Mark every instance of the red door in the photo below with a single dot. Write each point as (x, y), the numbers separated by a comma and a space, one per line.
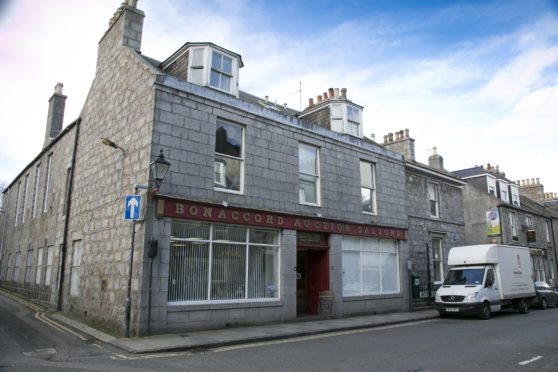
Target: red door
(318, 278)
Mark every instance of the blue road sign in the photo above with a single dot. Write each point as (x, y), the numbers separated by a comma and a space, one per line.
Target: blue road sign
(132, 207)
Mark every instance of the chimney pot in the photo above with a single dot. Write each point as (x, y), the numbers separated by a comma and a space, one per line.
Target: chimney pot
(336, 90)
(434, 151)
(331, 93)
(325, 95)
(390, 137)
(319, 98)
(538, 182)
(406, 133)
(385, 138)
(310, 102)
(344, 92)
(133, 3)
(58, 88)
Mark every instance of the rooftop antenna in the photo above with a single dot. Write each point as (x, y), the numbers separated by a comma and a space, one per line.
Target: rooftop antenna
(299, 91)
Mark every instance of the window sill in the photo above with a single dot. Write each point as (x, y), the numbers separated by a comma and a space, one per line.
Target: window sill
(366, 297)
(214, 305)
(228, 191)
(309, 204)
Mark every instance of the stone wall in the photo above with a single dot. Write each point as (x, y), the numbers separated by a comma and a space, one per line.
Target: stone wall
(119, 107)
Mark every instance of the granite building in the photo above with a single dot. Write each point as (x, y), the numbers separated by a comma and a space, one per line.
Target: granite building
(496, 212)
(265, 215)
(436, 221)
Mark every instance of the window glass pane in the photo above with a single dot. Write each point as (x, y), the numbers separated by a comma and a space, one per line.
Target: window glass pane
(227, 65)
(225, 83)
(389, 272)
(307, 158)
(197, 57)
(228, 272)
(370, 245)
(353, 114)
(371, 272)
(228, 139)
(366, 174)
(352, 128)
(337, 125)
(366, 200)
(351, 273)
(351, 243)
(214, 79)
(188, 271)
(336, 111)
(228, 173)
(229, 233)
(307, 190)
(262, 273)
(216, 61)
(197, 76)
(263, 237)
(190, 230)
(389, 246)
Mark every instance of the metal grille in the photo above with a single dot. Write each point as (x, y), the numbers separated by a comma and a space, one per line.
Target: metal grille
(453, 298)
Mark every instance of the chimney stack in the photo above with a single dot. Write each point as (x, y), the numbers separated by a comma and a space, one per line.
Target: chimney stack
(403, 144)
(55, 117)
(435, 160)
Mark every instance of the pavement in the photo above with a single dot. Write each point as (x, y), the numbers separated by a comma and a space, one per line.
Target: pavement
(241, 335)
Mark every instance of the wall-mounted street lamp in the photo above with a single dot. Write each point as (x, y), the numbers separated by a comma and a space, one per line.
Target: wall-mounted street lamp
(105, 141)
(159, 168)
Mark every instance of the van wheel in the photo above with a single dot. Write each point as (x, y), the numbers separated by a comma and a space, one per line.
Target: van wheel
(544, 304)
(485, 311)
(523, 306)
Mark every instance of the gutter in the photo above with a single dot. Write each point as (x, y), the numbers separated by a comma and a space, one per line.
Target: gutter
(64, 244)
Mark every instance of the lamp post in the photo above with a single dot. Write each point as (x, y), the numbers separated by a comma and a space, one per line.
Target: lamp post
(159, 168)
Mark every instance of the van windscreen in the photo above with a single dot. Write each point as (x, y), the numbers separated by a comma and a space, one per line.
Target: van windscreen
(465, 277)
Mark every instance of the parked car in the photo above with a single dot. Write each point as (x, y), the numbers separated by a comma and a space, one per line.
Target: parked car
(546, 295)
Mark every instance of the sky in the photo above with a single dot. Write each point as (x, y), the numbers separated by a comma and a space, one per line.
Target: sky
(476, 79)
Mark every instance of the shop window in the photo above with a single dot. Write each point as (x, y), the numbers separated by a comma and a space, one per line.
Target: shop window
(370, 266)
(222, 263)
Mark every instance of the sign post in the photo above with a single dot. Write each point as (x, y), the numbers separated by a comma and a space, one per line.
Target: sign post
(132, 207)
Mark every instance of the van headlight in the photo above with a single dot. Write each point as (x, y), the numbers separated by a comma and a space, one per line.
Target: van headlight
(471, 297)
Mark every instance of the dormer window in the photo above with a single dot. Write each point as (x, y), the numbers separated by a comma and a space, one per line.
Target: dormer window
(503, 186)
(221, 71)
(346, 119)
(206, 64)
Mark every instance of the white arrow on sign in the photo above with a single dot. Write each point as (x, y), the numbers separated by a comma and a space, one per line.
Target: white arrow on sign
(133, 204)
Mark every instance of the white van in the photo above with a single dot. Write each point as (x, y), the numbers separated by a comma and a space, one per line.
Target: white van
(486, 278)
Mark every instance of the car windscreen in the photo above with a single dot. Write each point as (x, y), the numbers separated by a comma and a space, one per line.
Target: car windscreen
(464, 277)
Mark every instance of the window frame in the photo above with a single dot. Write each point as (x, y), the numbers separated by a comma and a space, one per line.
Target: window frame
(513, 224)
(240, 159)
(316, 176)
(364, 261)
(373, 205)
(204, 78)
(504, 194)
(437, 259)
(342, 123)
(436, 189)
(213, 241)
(36, 190)
(75, 268)
(491, 185)
(46, 190)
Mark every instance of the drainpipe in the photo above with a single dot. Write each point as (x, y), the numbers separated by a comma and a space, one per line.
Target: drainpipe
(4, 212)
(501, 226)
(64, 244)
(553, 248)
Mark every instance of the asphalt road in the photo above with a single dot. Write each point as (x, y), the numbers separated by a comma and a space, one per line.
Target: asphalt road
(507, 342)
